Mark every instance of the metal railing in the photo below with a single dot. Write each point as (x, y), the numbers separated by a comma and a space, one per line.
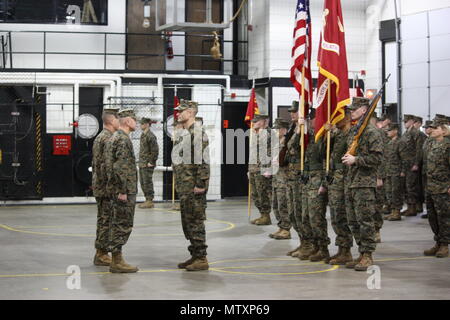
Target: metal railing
(9, 54)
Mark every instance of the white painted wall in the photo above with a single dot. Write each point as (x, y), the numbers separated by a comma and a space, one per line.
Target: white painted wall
(419, 20)
(70, 43)
(270, 42)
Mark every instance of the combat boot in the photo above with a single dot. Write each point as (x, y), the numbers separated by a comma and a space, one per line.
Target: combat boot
(386, 217)
(264, 220)
(365, 262)
(395, 215)
(308, 250)
(295, 250)
(283, 235)
(344, 257)
(321, 255)
(102, 258)
(272, 235)
(353, 263)
(118, 265)
(148, 204)
(198, 264)
(378, 236)
(410, 211)
(337, 253)
(443, 251)
(176, 206)
(432, 251)
(183, 265)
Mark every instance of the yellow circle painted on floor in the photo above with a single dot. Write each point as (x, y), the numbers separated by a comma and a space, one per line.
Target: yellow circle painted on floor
(289, 265)
(228, 226)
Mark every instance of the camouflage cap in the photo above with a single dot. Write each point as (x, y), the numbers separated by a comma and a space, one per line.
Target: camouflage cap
(438, 122)
(281, 123)
(407, 117)
(110, 110)
(127, 113)
(427, 124)
(148, 120)
(442, 118)
(393, 126)
(187, 104)
(358, 102)
(383, 117)
(418, 119)
(258, 117)
(374, 115)
(294, 107)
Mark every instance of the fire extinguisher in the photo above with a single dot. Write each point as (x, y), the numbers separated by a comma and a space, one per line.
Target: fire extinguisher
(169, 47)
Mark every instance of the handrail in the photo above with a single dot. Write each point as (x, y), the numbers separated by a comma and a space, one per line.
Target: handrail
(104, 51)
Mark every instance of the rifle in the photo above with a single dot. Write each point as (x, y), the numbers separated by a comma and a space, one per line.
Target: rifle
(364, 121)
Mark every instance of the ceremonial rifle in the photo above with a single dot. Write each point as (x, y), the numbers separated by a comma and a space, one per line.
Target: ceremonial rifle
(364, 121)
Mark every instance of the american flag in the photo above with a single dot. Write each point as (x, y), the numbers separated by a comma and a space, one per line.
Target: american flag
(301, 51)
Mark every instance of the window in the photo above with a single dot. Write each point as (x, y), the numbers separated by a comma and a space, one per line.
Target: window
(94, 12)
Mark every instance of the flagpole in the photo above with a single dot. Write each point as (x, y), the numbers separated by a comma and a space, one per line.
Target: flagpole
(249, 184)
(173, 139)
(249, 148)
(302, 127)
(328, 122)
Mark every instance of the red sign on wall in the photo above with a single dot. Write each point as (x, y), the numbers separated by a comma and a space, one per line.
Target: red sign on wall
(62, 145)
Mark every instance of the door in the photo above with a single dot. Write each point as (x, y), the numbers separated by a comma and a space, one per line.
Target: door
(234, 171)
(143, 44)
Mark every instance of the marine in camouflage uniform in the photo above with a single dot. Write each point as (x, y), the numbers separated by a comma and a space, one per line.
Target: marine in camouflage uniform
(314, 198)
(438, 188)
(361, 181)
(99, 180)
(423, 162)
(279, 192)
(420, 141)
(122, 187)
(260, 170)
(408, 154)
(392, 165)
(336, 192)
(148, 155)
(295, 188)
(191, 156)
(380, 194)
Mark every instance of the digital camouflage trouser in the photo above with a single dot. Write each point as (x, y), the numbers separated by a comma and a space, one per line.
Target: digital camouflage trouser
(314, 221)
(411, 185)
(261, 192)
(293, 196)
(193, 216)
(336, 200)
(380, 201)
(393, 188)
(122, 221)
(438, 208)
(104, 217)
(146, 180)
(360, 207)
(280, 207)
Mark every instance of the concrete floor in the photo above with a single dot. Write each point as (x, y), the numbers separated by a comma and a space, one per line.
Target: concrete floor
(38, 243)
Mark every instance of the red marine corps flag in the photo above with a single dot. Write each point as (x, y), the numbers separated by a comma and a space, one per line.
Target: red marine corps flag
(332, 87)
(252, 108)
(176, 103)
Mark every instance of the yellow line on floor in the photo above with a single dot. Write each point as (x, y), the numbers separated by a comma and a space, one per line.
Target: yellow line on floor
(224, 269)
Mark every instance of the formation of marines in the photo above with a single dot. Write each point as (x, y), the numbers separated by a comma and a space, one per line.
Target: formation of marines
(362, 191)
(115, 176)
